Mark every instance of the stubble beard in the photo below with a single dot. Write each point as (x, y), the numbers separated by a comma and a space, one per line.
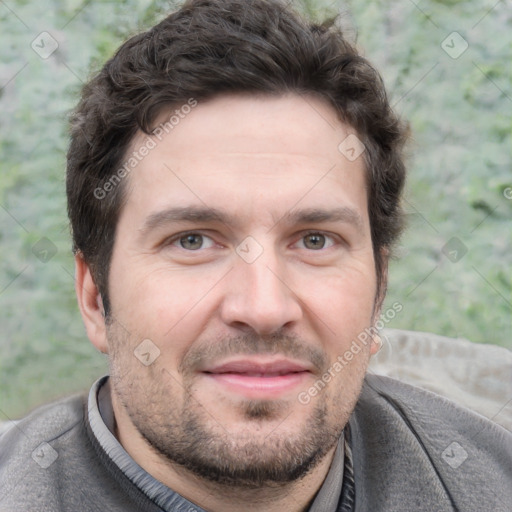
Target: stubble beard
(187, 434)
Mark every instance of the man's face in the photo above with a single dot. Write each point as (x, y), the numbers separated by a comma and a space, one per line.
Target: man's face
(243, 253)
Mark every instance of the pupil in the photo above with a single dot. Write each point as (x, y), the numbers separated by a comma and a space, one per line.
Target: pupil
(192, 241)
(315, 241)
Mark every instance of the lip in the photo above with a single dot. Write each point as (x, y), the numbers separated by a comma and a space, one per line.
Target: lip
(259, 378)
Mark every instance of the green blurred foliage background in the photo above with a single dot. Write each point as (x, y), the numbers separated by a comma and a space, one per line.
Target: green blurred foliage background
(459, 185)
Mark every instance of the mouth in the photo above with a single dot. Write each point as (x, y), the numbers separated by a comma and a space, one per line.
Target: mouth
(259, 378)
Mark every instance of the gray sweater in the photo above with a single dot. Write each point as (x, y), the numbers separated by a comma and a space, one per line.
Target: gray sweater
(412, 451)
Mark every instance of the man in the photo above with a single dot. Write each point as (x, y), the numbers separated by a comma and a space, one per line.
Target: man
(234, 181)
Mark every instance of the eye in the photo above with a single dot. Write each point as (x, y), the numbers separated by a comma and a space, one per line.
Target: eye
(316, 241)
(193, 242)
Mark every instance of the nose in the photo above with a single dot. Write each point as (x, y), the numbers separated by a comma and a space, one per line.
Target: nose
(260, 297)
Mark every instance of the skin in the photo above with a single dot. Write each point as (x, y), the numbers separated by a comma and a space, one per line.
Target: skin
(303, 291)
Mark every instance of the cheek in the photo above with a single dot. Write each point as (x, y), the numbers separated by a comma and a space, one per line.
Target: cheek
(342, 298)
(163, 304)
(341, 309)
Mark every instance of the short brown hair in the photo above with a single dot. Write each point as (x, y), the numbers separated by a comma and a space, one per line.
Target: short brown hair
(213, 47)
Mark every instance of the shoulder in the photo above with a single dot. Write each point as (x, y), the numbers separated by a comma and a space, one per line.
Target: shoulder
(46, 423)
(425, 409)
(30, 450)
(50, 461)
(409, 438)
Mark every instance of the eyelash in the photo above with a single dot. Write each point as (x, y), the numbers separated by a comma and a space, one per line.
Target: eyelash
(176, 239)
(334, 238)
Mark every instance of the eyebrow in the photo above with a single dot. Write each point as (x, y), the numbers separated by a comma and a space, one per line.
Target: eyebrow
(318, 215)
(205, 214)
(182, 214)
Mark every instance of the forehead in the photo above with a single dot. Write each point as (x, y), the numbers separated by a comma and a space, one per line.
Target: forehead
(256, 154)
(256, 125)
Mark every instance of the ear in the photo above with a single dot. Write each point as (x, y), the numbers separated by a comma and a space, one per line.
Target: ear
(379, 300)
(91, 305)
